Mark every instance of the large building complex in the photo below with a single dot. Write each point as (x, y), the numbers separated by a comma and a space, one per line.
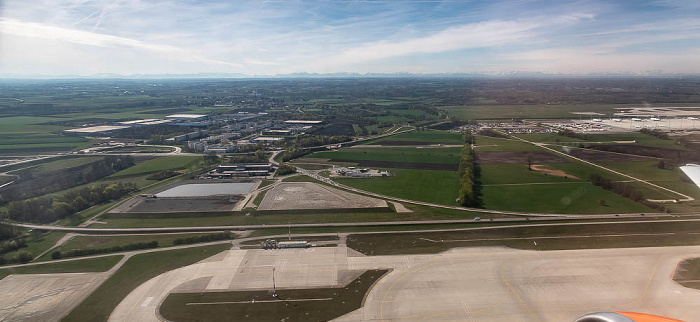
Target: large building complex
(237, 170)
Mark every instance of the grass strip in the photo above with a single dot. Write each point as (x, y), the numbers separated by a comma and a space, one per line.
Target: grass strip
(99, 264)
(137, 270)
(321, 304)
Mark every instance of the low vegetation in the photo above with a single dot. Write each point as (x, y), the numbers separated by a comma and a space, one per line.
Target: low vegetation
(162, 175)
(99, 264)
(655, 133)
(469, 172)
(202, 238)
(51, 208)
(92, 251)
(137, 270)
(158, 164)
(60, 175)
(285, 169)
(623, 189)
(288, 305)
(553, 237)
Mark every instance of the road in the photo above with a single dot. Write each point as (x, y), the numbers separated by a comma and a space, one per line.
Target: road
(314, 174)
(375, 261)
(113, 231)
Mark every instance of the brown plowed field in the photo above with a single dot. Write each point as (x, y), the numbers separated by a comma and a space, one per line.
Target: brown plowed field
(636, 149)
(400, 165)
(603, 156)
(517, 157)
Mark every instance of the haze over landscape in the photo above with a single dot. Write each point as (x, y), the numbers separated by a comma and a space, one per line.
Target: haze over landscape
(237, 38)
(349, 160)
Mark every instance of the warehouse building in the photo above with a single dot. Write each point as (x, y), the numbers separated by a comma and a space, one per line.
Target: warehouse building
(238, 170)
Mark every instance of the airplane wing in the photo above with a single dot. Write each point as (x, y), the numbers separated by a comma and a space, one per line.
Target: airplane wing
(693, 172)
(623, 317)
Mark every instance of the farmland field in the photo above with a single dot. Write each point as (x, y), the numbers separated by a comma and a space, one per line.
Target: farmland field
(431, 186)
(65, 163)
(518, 173)
(414, 155)
(429, 137)
(158, 164)
(644, 170)
(581, 198)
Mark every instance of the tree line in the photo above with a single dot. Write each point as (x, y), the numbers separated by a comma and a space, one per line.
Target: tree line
(316, 140)
(33, 183)
(469, 172)
(655, 133)
(51, 208)
(286, 168)
(202, 238)
(92, 251)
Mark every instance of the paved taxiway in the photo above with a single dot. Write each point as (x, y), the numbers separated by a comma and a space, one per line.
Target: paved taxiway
(476, 284)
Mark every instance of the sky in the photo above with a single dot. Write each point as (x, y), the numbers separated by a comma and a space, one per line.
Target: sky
(141, 37)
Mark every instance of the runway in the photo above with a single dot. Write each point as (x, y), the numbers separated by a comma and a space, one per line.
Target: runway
(475, 284)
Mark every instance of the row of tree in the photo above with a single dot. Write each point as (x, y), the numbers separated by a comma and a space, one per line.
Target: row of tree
(623, 189)
(92, 251)
(571, 134)
(286, 168)
(202, 238)
(51, 208)
(655, 133)
(293, 153)
(469, 172)
(316, 140)
(21, 257)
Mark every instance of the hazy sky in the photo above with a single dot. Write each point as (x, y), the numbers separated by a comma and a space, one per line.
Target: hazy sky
(82, 37)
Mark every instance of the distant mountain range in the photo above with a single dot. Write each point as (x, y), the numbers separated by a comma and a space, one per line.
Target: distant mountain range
(514, 74)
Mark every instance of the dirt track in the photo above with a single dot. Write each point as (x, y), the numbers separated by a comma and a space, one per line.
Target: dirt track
(552, 172)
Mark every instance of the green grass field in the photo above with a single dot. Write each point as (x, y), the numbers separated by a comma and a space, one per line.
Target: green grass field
(424, 185)
(564, 198)
(589, 237)
(82, 242)
(138, 269)
(645, 170)
(158, 164)
(282, 218)
(641, 139)
(58, 165)
(100, 264)
(518, 173)
(424, 155)
(177, 306)
(432, 136)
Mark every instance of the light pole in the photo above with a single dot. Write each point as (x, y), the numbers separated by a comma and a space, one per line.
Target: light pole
(274, 289)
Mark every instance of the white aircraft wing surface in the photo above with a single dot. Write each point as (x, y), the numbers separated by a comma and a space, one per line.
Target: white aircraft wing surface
(693, 172)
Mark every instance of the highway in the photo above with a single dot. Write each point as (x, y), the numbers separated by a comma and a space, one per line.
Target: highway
(87, 230)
